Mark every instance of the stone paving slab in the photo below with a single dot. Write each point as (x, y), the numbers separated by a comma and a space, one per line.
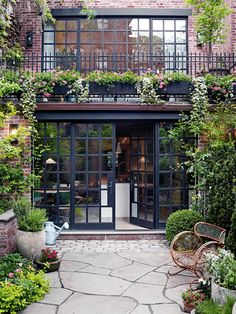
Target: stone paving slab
(113, 277)
(87, 304)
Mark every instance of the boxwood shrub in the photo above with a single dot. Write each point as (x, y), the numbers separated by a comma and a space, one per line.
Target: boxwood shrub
(181, 220)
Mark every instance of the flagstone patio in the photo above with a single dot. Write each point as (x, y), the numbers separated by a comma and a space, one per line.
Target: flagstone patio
(118, 277)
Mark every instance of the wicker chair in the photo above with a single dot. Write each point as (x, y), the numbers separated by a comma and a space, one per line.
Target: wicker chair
(188, 249)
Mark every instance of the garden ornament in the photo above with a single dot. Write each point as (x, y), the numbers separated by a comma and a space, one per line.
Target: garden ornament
(52, 233)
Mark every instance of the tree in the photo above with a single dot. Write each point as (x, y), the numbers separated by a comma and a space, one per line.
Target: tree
(210, 20)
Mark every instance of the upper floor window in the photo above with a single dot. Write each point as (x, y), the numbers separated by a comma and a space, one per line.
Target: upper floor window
(127, 39)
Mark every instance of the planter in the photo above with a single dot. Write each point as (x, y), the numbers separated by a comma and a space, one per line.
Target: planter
(116, 89)
(8, 231)
(219, 293)
(179, 88)
(30, 244)
(188, 308)
(60, 89)
(52, 266)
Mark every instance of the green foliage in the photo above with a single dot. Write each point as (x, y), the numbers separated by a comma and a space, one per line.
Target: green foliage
(210, 23)
(5, 205)
(44, 10)
(11, 262)
(11, 298)
(178, 77)
(222, 268)
(110, 78)
(20, 284)
(21, 207)
(181, 220)
(33, 221)
(210, 307)
(231, 239)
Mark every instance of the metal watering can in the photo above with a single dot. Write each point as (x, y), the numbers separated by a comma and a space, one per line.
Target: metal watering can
(51, 232)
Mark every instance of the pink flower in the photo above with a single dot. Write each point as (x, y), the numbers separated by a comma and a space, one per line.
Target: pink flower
(18, 270)
(46, 94)
(10, 275)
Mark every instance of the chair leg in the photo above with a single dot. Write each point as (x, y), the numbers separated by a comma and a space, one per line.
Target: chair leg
(177, 272)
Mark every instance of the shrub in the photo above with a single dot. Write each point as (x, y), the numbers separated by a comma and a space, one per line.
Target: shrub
(20, 284)
(210, 307)
(181, 220)
(33, 221)
(230, 241)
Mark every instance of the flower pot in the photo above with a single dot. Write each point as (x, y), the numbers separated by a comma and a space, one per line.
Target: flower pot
(179, 88)
(30, 244)
(49, 266)
(188, 308)
(60, 89)
(116, 89)
(219, 293)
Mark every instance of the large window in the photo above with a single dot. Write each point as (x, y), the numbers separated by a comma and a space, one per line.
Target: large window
(116, 43)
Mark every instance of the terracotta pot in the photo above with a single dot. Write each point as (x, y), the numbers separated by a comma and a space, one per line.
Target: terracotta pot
(30, 244)
(188, 308)
(52, 266)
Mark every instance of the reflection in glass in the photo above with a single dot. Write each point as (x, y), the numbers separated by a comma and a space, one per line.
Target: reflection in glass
(93, 197)
(80, 180)
(93, 146)
(164, 197)
(64, 197)
(63, 214)
(164, 213)
(106, 214)
(93, 163)
(106, 146)
(93, 180)
(80, 146)
(93, 214)
(164, 180)
(80, 164)
(64, 163)
(80, 197)
(157, 25)
(93, 130)
(80, 214)
(106, 130)
(64, 146)
(169, 25)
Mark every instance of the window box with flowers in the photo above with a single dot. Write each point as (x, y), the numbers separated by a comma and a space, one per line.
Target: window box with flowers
(178, 83)
(49, 260)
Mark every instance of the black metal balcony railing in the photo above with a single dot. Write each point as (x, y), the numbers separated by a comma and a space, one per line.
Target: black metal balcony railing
(192, 64)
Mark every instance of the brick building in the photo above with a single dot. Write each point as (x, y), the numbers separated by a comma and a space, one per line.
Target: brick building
(112, 159)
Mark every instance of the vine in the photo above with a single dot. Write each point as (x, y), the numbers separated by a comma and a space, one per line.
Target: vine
(80, 88)
(146, 88)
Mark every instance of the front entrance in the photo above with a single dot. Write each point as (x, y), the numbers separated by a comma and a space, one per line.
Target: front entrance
(95, 173)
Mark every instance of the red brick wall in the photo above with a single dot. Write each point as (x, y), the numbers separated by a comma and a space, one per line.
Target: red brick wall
(8, 231)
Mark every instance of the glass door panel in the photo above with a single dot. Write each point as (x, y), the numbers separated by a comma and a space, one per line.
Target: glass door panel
(142, 176)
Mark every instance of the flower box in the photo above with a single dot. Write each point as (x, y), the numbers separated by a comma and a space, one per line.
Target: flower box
(179, 88)
(116, 89)
(60, 89)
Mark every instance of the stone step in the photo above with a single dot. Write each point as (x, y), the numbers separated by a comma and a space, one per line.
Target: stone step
(113, 235)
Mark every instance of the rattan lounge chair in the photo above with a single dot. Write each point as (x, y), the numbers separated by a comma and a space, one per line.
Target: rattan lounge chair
(188, 249)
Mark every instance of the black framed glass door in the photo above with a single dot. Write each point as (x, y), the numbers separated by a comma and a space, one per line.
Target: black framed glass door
(142, 175)
(77, 174)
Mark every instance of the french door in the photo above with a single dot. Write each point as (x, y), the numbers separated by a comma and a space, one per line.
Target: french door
(77, 174)
(142, 175)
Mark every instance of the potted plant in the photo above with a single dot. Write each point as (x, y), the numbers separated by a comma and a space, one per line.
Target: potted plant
(219, 88)
(222, 268)
(191, 298)
(49, 260)
(178, 83)
(30, 235)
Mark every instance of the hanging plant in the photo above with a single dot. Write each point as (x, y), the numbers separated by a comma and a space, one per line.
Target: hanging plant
(80, 88)
(146, 88)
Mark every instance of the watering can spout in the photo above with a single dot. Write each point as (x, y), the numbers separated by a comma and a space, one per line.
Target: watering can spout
(52, 231)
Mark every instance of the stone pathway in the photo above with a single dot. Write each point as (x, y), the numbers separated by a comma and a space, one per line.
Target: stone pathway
(118, 277)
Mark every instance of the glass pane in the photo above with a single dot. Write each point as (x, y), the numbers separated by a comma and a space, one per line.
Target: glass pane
(48, 27)
(164, 163)
(157, 37)
(93, 180)
(64, 147)
(86, 24)
(164, 197)
(93, 130)
(51, 145)
(108, 37)
(51, 163)
(93, 214)
(80, 130)
(71, 25)
(120, 24)
(107, 162)
(177, 180)
(51, 130)
(93, 163)
(149, 213)
(97, 38)
(93, 197)
(106, 214)
(80, 164)
(164, 213)
(106, 130)
(164, 180)
(158, 50)
(60, 25)
(141, 211)
(80, 197)
(144, 24)
(176, 197)
(51, 197)
(180, 37)
(157, 25)
(181, 49)
(71, 37)
(85, 37)
(64, 198)
(64, 163)
(133, 24)
(38, 198)
(80, 214)
(121, 37)
(169, 49)
(106, 146)
(169, 25)
(51, 180)
(64, 214)
(180, 24)
(104, 198)
(48, 37)
(80, 146)
(134, 210)
(64, 180)
(64, 129)
(169, 37)
(80, 180)
(93, 146)
(60, 37)
(164, 146)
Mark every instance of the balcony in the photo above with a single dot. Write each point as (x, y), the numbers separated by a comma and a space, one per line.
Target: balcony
(188, 66)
